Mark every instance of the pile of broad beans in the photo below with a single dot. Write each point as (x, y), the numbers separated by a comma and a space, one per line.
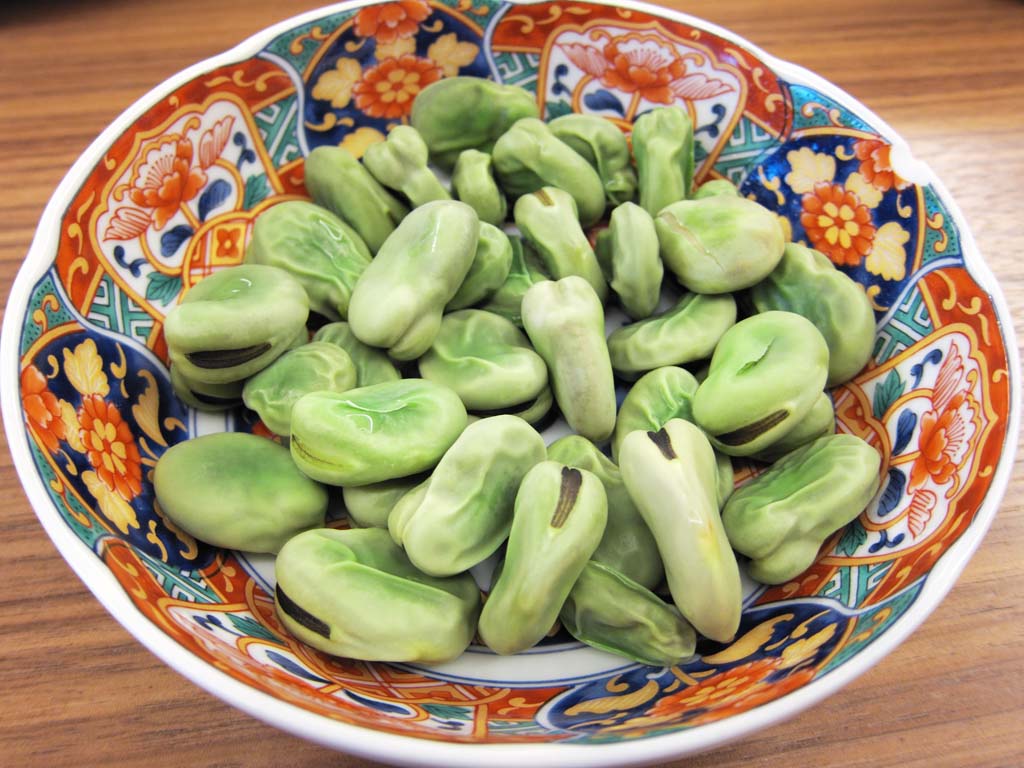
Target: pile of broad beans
(449, 342)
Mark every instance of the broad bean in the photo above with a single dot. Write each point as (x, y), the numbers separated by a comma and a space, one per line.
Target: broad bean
(507, 301)
(400, 162)
(610, 611)
(818, 422)
(375, 433)
(672, 477)
(465, 512)
(781, 518)
(719, 244)
(655, 399)
(368, 506)
(473, 183)
(687, 332)
(565, 322)
(486, 360)
(314, 367)
(340, 183)
(372, 365)
(663, 148)
(628, 254)
(529, 156)
(547, 219)
(206, 397)
(316, 248)
(766, 373)
(489, 270)
(807, 282)
(355, 594)
(604, 146)
(716, 187)
(236, 490)
(415, 274)
(558, 521)
(627, 544)
(459, 113)
(235, 323)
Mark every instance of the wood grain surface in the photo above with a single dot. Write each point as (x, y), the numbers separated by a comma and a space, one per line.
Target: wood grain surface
(946, 74)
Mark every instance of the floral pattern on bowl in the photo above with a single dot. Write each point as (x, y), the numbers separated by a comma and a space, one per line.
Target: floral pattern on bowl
(171, 195)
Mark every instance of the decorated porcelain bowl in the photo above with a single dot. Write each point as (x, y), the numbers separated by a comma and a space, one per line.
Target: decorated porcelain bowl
(168, 194)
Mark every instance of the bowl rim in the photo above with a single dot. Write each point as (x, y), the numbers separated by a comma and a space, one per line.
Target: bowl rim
(416, 751)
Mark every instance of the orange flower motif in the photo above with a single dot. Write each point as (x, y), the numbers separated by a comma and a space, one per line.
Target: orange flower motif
(388, 89)
(110, 446)
(167, 179)
(41, 408)
(228, 245)
(735, 690)
(947, 428)
(391, 21)
(919, 513)
(646, 65)
(876, 164)
(213, 141)
(837, 223)
(941, 437)
(647, 68)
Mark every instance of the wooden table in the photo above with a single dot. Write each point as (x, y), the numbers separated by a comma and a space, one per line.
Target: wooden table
(947, 74)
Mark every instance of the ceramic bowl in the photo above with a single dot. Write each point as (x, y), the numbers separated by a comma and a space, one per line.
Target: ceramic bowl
(168, 194)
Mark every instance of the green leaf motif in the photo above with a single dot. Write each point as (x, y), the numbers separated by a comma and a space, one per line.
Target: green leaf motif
(853, 537)
(447, 711)
(255, 190)
(555, 109)
(252, 628)
(887, 393)
(163, 288)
